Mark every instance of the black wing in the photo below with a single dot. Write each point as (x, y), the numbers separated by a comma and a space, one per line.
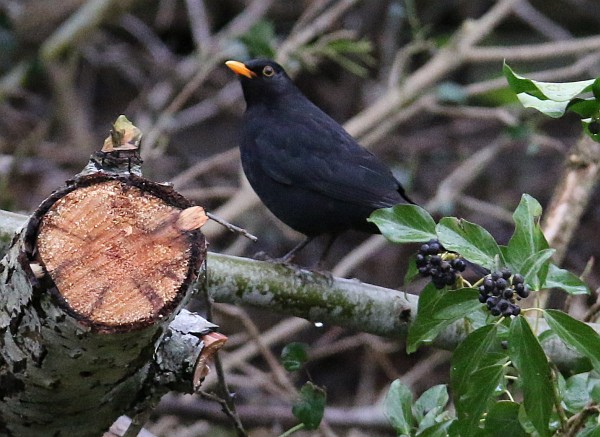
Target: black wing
(310, 150)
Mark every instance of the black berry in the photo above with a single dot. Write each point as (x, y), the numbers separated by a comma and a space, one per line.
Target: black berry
(459, 264)
(500, 290)
(434, 261)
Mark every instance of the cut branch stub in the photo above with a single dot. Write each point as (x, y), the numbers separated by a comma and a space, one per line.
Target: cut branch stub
(121, 251)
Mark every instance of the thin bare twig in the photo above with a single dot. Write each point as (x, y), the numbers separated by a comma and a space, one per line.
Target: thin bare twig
(186, 177)
(444, 61)
(304, 34)
(199, 24)
(226, 408)
(540, 22)
(231, 227)
(277, 370)
(226, 399)
(531, 52)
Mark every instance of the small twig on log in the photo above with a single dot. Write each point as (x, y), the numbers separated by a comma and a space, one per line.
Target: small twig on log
(232, 228)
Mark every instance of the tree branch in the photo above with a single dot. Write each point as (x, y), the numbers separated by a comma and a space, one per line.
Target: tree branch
(322, 298)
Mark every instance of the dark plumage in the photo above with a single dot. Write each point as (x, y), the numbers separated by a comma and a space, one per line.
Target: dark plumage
(302, 164)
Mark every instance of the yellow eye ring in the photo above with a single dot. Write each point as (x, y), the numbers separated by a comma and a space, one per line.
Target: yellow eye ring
(268, 71)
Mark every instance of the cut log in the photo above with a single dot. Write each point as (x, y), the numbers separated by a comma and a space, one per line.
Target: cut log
(87, 292)
(119, 253)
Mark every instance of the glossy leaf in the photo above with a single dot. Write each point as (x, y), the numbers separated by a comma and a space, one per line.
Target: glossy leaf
(564, 279)
(438, 430)
(397, 408)
(576, 394)
(575, 334)
(310, 407)
(456, 304)
(481, 348)
(529, 359)
(470, 240)
(425, 328)
(485, 385)
(503, 420)
(404, 224)
(585, 108)
(432, 398)
(527, 238)
(551, 108)
(557, 91)
(433, 417)
(437, 310)
(294, 355)
(535, 268)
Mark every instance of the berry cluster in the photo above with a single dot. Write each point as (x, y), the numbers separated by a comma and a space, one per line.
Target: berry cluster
(442, 266)
(500, 290)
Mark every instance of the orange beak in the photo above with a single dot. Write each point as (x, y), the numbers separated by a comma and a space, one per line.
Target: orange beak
(241, 69)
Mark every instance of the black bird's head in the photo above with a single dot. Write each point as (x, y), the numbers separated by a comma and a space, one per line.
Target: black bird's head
(263, 81)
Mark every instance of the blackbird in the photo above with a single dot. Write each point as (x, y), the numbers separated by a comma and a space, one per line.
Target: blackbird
(302, 164)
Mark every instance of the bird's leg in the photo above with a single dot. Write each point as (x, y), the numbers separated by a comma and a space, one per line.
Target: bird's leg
(288, 257)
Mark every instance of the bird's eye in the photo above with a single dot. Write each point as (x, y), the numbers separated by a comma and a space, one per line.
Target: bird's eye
(268, 71)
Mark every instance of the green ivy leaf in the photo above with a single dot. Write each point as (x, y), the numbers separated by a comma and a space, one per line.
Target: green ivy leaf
(456, 304)
(520, 84)
(432, 398)
(595, 391)
(502, 420)
(481, 348)
(535, 268)
(397, 408)
(310, 406)
(548, 97)
(575, 334)
(554, 99)
(470, 240)
(404, 224)
(564, 279)
(486, 384)
(425, 328)
(527, 238)
(551, 108)
(529, 359)
(294, 355)
(433, 417)
(585, 108)
(576, 394)
(438, 309)
(596, 88)
(438, 430)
